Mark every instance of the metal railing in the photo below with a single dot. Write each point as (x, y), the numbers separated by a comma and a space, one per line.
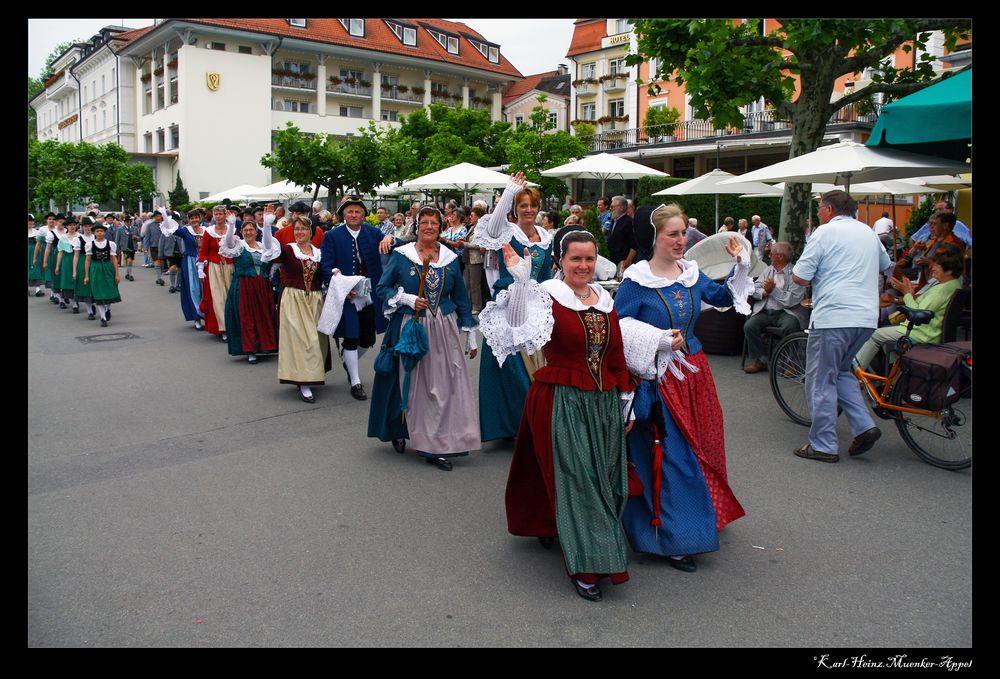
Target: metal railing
(762, 121)
(393, 94)
(297, 82)
(344, 88)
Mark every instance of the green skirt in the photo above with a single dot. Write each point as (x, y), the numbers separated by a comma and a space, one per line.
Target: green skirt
(591, 481)
(50, 281)
(82, 292)
(103, 288)
(66, 282)
(35, 275)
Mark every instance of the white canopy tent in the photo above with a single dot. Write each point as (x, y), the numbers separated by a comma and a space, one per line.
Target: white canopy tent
(235, 193)
(603, 166)
(464, 177)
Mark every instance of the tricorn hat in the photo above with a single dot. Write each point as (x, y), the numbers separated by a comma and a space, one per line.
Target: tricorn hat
(353, 199)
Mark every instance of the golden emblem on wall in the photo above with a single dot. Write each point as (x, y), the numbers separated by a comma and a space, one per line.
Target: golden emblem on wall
(213, 81)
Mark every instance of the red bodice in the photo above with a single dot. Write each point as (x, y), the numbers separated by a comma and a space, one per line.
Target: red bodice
(210, 249)
(585, 351)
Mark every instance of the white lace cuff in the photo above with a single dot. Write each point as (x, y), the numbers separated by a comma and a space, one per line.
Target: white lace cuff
(648, 353)
(401, 298)
(520, 319)
(627, 412)
(522, 270)
(741, 286)
(484, 240)
(470, 339)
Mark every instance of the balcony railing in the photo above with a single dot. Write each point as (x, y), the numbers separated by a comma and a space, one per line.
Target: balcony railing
(445, 99)
(344, 88)
(764, 121)
(584, 89)
(393, 94)
(297, 82)
(614, 84)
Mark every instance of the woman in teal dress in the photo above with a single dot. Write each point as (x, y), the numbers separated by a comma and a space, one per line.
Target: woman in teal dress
(507, 385)
(250, 313)
(64, 270)
(101, 272)
(441, 420)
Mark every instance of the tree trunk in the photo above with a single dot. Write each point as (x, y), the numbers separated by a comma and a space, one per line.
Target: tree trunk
(812, 111)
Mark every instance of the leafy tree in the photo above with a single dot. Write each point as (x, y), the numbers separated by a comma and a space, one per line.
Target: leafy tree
(179, 195)
(725, 65)
(309, 160)
(69, 173)
(453, 135)
(533, 148)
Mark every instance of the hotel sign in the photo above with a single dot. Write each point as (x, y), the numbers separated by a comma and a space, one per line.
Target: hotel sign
(620, 39)
(69, 121)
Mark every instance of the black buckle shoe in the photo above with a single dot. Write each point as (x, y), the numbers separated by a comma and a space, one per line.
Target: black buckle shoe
(62, 305)
(399, 445)
(686, 564)
(76, 310)
(442, 463)
(90, 317)
(173, 289)
(104, 323)
(307, 399)
(591, 593)
(358, 392)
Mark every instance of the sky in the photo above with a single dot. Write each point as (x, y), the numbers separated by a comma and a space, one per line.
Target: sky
(532, 45)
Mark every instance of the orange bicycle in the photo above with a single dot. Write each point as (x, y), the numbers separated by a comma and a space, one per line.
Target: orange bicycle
(942, 438)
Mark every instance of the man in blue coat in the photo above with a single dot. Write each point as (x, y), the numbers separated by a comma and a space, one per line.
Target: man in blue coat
(353, 249)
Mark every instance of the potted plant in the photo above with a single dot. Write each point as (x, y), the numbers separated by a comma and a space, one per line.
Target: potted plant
(418, 90)
(365, 83)
(335, 80)
(350, 81)
(172, 63)
(158, 71)
(659, 123)
(309, 76)
(146, 77)
(402, 89)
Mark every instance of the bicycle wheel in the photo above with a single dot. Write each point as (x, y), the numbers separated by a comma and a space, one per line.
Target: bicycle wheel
(944, 441)
(788, 377)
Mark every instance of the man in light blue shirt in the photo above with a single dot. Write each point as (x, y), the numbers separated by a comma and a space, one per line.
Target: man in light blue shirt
(604, 214)
(842, 261)
(961, 231)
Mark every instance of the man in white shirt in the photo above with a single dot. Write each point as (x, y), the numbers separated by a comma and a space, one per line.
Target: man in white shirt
(883, 229)
(842, 261)
(762, 238)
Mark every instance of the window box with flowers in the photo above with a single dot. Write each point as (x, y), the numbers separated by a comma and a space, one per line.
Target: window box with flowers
(158, 71)
(365, 83)
(309, 76)
(172, 63)
(419, 91)
(146, 77)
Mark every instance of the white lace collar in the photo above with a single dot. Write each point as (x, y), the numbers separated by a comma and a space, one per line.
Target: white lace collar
(192, 231)
(211, 232)
(643, 275)
(445, 257)
(301, 255)
(562, 293)
(546, 237)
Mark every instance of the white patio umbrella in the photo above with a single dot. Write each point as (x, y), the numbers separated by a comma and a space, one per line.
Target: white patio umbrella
(848, 161)
(942, 182)
(891, 188)
(464, 177)
(603, 166)
(235, 193)
(708, 184)
(283, 190)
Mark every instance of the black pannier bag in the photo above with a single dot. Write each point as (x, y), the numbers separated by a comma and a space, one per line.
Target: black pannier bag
(931, 374)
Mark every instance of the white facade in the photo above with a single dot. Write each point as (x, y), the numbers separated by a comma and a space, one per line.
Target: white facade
(615, 97)
(216, 138)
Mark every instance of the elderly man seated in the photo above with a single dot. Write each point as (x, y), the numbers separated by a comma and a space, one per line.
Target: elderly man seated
(777, 302)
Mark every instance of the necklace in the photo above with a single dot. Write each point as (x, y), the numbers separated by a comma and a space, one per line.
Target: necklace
(585, 295)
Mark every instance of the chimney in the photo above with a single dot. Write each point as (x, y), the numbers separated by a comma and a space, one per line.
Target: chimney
(562, 69)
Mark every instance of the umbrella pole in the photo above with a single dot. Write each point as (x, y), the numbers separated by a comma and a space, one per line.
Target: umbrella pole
(716, 212)
(894, 228)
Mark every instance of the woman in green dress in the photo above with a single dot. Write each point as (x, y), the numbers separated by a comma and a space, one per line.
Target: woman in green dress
(64, 272)
(82, 293)
(36, 277)
(101, 273)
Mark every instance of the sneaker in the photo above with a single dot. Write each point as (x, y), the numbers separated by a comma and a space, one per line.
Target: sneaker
(864, 441)
(755, 367)
(807, 452)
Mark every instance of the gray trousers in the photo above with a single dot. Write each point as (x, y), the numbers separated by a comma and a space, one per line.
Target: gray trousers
(755, 325)
(829, 380)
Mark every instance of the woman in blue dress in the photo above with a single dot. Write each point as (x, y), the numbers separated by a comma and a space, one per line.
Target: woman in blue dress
(250, 313)
(507, 386)
(440, 420)
(677, 444)
(189, 285)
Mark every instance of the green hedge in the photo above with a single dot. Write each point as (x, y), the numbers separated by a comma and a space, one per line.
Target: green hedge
(703, 207)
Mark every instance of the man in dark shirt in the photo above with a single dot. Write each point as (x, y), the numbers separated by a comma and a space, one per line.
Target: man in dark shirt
(621, 241)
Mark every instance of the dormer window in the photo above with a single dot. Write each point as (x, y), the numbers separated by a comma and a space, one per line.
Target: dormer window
(407, 34)
(355, 27)
(491, 52)
(298, 23)
(449, 42)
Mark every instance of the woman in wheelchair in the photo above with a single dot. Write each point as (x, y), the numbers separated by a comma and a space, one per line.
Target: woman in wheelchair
(946, 269)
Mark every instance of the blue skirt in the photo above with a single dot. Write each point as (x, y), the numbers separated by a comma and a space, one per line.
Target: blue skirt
(502, 392)
(189, 287)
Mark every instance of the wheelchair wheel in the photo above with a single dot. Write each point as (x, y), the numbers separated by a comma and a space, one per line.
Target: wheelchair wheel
(788, 377)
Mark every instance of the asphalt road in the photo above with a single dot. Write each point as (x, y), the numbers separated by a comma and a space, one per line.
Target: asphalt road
(181, 497)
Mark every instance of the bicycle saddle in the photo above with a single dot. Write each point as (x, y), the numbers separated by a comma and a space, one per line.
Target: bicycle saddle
(916, 316)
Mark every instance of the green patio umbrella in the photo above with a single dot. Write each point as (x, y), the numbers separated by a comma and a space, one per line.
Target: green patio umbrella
(936, 121)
